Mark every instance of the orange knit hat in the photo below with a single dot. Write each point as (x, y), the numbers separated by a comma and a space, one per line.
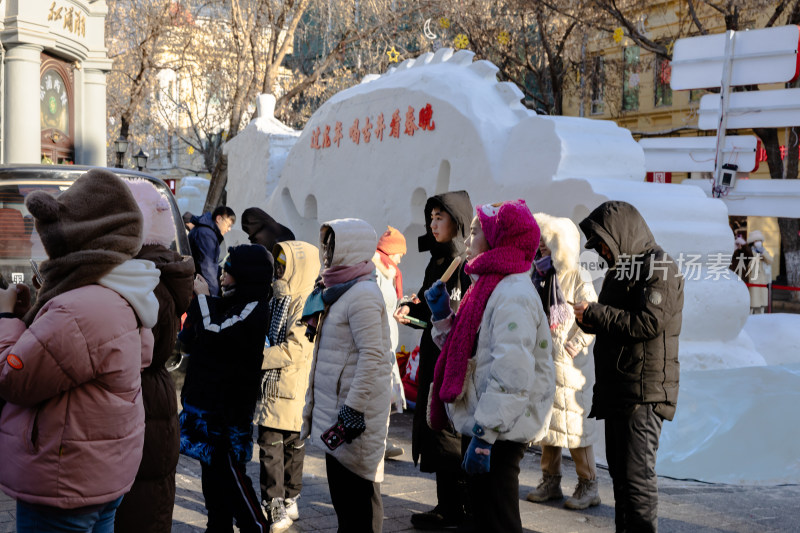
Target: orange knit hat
(392, 242)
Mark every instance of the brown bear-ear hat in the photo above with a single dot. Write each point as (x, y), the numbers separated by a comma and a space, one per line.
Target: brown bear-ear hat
(98, 212)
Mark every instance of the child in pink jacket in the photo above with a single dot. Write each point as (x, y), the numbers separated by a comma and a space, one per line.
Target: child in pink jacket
(72, 430)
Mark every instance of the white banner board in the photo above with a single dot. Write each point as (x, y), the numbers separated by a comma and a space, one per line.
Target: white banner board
(752, 109)
(768, 55)
(696, 154)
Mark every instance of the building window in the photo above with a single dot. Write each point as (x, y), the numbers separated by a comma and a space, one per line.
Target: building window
(696, 94)
(630, 78)
(598, 85)
(663, 91)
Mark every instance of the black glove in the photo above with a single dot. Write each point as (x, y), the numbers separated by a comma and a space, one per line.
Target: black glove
(352, 421)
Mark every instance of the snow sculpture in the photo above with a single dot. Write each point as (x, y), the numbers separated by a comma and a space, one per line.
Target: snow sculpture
(256, 157)
(443, 122)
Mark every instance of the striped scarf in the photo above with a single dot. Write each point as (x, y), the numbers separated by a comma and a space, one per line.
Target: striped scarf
(279, 310)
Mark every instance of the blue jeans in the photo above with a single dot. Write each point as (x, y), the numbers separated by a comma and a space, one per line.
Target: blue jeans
(45, 519)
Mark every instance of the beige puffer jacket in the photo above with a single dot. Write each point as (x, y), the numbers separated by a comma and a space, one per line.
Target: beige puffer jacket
(352, 362)
(293, 356)
(509, 386)
(569, 425)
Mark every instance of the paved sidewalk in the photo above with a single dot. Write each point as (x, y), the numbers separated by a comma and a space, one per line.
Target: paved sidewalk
(685, 506)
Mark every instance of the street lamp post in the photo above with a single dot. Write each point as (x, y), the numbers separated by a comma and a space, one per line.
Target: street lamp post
(141, 160)
(120, 147)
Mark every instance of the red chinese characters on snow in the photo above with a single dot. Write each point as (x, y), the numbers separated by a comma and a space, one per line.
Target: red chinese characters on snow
(366, 131)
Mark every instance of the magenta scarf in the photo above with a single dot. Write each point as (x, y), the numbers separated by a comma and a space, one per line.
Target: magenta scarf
(451, 367)
(342, 274)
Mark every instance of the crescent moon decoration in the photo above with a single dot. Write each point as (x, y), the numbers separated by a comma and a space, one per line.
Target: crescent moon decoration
(426, 29)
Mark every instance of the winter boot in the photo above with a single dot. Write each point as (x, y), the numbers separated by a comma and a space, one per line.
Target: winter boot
(436, 519)
(279, 520)
(585, 495)
(392, 450)
(291, 507)
(549, 489)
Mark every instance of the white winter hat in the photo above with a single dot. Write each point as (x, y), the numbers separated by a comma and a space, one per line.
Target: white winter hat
(754, 236)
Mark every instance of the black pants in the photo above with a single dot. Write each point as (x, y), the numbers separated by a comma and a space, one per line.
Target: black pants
(631, 447)
(357, 501)
(281, 456)
(229, 494)
(494, 496)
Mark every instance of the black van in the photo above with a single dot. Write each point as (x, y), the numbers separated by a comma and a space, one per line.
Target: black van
(19, 242)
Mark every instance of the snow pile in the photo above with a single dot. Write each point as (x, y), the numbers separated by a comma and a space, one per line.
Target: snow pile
(191, 194)
(736, 426)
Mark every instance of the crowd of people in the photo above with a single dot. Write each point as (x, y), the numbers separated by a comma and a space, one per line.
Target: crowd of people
(295, 342)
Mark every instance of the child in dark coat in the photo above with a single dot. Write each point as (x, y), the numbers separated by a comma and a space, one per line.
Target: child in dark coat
(225, 336)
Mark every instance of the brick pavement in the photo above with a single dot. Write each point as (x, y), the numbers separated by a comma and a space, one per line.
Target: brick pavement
(685, 506)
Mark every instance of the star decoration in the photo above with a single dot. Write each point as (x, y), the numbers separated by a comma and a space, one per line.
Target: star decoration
(393, 54)
(461, 41)
(190, 150)
(618, 35)
(444, 22)
(504, 38)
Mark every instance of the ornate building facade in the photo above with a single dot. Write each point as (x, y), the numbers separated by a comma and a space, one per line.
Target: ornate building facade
(53, 81)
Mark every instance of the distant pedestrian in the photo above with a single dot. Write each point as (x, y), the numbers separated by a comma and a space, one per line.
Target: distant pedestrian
(205, 239)
(559, 279)
(636, 321)
(225, 336)
(149, 504)
(391, 249)
(285, 370)
(263, 229)
(347, 404)
(187, 220)
(759, 272)
(447, 220)
(72, 431)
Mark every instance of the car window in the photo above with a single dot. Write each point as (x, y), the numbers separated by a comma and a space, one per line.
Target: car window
(19, 241)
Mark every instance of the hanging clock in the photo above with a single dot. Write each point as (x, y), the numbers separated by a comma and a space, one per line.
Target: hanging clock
(54, 102)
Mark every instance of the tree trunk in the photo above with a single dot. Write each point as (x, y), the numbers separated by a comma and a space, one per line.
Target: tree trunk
(219, 178)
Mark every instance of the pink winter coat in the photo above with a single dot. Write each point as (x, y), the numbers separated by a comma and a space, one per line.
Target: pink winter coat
(71, 434)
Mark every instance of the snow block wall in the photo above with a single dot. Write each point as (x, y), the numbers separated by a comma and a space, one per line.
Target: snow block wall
(443, 122)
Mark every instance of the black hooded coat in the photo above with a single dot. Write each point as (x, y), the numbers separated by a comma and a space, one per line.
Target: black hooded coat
(637, 317)
(263, 229)
(440, 450)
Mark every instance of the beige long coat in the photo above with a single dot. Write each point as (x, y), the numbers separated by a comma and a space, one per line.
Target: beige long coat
(569, 425)
(293, 356)
(352, 361)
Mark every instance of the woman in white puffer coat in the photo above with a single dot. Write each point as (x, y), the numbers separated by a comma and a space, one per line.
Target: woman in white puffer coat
(347, 402)
(559, 279)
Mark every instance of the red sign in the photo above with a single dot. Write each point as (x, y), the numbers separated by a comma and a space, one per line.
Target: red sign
(171, 184)
(659, 177)
(366, 131)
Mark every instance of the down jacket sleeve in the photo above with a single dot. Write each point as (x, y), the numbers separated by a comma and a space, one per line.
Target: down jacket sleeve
(584, 292)
(294, 346)
(365, 318)
(205, 249)
(53, 357)
(650, 309)
(514, 350)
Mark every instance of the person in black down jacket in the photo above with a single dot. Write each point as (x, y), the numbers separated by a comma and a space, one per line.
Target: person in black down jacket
(447, 220)
(149, 504)
(226, 336)
(637, 321)
(205, 238)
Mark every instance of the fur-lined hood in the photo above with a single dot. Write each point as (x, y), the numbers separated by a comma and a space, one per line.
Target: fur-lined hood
(562, 237)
